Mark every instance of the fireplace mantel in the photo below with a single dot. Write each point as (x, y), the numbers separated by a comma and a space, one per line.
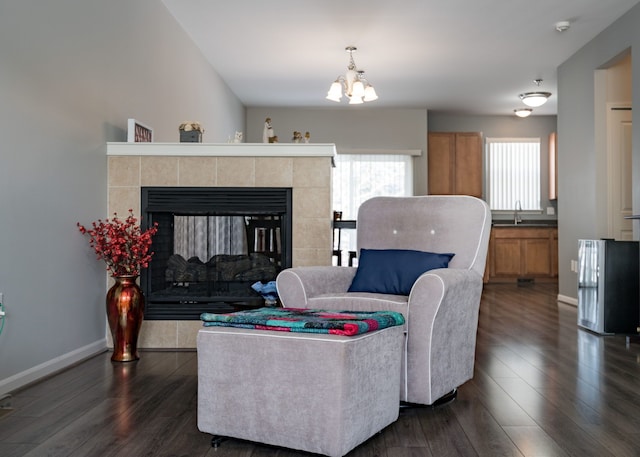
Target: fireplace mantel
(222, 149)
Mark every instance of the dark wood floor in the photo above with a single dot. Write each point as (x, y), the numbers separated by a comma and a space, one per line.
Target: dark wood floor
(541, 388)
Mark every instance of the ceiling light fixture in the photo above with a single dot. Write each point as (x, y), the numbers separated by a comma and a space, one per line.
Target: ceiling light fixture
(353, 83)
(523, 112)
(535, 99)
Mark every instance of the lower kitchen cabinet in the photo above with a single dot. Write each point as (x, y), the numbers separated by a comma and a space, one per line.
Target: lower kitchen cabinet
(522, 252)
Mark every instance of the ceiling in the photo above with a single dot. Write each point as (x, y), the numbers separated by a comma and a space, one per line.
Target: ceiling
(458, 56)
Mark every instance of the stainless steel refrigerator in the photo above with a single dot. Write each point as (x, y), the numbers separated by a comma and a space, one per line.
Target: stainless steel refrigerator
(608, 286)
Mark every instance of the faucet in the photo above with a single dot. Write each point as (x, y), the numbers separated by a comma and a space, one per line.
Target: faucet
(516, 213)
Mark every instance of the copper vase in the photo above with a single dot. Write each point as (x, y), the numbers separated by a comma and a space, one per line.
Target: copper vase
(125, 311)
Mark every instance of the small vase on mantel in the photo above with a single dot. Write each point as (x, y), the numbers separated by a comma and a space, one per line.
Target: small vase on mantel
(125, 312)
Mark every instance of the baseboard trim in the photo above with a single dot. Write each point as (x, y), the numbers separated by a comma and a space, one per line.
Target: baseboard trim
(568, 300)
(51, 366)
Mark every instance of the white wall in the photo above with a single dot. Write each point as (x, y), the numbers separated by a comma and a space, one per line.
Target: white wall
(582, 183)
(72, 72)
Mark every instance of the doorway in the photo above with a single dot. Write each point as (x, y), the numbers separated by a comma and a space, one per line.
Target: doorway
(613, 142)
(619, 166)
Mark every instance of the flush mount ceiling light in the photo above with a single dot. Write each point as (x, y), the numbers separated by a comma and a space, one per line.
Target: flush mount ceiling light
(535, 99)
(353, 83)
(523, 112)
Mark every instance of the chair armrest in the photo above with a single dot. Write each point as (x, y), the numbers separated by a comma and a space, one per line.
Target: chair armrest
(442, 328)
(459, 288)
(296, 285)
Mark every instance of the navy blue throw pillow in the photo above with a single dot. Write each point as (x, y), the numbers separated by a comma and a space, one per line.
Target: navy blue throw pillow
(393, 271)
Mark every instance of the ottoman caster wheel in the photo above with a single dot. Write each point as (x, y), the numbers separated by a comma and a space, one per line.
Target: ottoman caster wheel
(216, 441)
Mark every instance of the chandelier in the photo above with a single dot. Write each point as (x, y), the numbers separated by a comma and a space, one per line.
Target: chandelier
(535, 99)
(353, 83)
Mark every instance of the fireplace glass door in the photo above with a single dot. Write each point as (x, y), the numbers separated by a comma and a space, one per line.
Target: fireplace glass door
(208, 260)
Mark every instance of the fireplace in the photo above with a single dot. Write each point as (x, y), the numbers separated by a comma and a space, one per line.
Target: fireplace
(213, 244)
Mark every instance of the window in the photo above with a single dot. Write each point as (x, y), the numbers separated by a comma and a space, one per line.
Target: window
(358, 177)
(513, 166)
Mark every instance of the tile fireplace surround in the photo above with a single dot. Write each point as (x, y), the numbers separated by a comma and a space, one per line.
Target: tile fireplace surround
(306, 168)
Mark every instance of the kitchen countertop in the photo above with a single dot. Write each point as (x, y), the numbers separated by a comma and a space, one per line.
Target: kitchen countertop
(526, 223)
(348, 224)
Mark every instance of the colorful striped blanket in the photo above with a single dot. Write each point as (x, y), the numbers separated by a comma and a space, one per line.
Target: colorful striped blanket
(347, 323)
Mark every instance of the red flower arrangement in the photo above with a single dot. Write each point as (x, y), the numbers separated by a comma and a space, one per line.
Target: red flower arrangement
(121, 244)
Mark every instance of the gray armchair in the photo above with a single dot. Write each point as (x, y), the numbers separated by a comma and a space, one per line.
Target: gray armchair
(442, 307)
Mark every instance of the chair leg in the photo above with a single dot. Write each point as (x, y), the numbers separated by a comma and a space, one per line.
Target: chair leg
(445, 399)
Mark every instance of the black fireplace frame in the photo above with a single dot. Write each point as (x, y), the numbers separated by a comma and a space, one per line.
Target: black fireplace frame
(212, 201)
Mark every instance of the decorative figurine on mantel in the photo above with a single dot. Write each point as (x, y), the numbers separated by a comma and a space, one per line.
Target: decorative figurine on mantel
(191, 132)
(238, 137)
(298, 138)
(267, 134)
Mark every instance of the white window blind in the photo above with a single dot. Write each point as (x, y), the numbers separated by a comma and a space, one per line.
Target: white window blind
(358, 177)
(513, 173)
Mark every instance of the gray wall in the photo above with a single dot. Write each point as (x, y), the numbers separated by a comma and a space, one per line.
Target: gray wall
(501, 127)
(387, 128)
(582, 179)
(350, 127)
(72, 72)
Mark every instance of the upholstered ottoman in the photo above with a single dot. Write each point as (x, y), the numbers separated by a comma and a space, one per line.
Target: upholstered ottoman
(320, 393)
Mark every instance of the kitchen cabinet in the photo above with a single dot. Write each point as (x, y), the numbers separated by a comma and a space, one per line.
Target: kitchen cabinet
(522, 252)
(554, 253)
(455, 163)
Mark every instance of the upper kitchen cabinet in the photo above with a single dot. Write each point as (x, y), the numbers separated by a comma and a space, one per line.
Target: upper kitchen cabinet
(455, 163)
